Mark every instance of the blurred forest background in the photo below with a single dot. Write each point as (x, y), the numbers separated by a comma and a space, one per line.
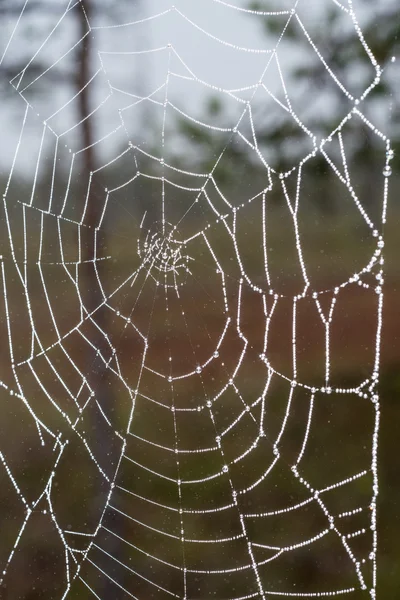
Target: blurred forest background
(337, 240)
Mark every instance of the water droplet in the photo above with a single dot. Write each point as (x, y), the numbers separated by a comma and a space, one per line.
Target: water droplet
(390, 154)
(387, 171)
(225, 469)
(198, 369)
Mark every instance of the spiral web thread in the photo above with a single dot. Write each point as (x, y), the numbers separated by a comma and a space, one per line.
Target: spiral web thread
(143, 535)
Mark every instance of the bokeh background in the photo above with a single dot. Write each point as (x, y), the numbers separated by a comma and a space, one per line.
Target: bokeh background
(89, 79)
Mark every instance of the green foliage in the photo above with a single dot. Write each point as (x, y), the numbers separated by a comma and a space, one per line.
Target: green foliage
(348, 59)
(280, 138)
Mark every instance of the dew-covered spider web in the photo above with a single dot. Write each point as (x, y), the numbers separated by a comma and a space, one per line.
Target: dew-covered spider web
(175, 421)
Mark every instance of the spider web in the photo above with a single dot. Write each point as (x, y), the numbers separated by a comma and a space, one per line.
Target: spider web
(212, 455)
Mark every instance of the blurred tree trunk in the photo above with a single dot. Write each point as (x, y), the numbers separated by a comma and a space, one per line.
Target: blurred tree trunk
(98, 374)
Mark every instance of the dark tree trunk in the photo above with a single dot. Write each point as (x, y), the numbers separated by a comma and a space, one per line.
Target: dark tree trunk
(97, 373)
